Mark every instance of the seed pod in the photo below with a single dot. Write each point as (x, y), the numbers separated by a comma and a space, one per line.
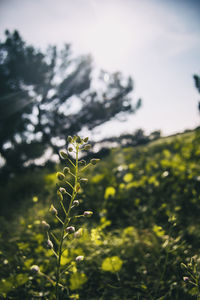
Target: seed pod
(60, 176)
(35, 269)
(70, 149)
(83, 180)
(87, 147)
(66, 170)
(75, 203)
(94, 161)
(74, 138)
(49, 244)
(87, 213)
(69, 139)
(79, 258)
(82, 162)
(63, 154)
(86, 139)
(77, 188)
(183, 266)
(53, 210)
(60, 196)
(78, 140)
(62, 190)
(70, 229)
(45, 225)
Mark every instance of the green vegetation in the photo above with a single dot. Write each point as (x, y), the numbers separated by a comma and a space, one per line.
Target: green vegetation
(39, 91)
(144, 242)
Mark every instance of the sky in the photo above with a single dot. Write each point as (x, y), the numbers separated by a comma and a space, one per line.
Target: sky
(156, 42)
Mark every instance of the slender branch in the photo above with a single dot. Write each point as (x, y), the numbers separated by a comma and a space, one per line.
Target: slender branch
(68, 194)
(75, 217)
(48, 278)
(66, 234)
(61, 203)
(72, 174)
(54, 252)
(69, 184)
(71, 162)
(83, 169)
(59, 220)
(69, 267)
(55, 238)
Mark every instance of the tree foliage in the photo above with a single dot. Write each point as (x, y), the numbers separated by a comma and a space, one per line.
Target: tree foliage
(197, 85)
(45, 96)
(197, 82)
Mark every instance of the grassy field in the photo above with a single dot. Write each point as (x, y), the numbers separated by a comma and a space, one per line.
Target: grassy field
(146, 207)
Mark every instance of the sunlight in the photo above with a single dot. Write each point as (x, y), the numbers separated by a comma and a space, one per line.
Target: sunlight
(111, 36)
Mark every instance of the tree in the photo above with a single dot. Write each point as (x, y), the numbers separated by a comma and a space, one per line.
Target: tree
(44, 97)
(197, 84)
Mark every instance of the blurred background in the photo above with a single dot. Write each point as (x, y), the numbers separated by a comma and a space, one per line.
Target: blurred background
(100, 68)
(125, 73)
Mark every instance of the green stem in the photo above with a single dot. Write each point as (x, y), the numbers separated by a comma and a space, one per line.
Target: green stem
(71, 162)
(83, 169)
(72, 174)
(47, 277)
(68, 194)
(59, 220)
(65, 224)
(165, 264)
(63, 209)
(58, 264)
(69, 184)
(55, 238)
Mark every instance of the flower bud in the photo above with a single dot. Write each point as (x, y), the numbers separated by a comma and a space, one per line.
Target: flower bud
(66, 170)
(62, 190)
(78, 140)
(79, 258)
(35, 269)
(60, 176)
(63, 154)
(49, 244)
(87, 147)
(69, 139)
(60, 196)
(86, 139)
(53, 210)
(70, 229)
(75, 203)
(45, 225)
(78, 233)
(94, 161)
(87, 213)
(83, 180)
(185, 278)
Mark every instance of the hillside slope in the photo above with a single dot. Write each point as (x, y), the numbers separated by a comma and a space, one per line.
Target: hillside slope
(146, 204)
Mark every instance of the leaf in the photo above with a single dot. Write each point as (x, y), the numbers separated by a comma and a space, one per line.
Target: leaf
(158, 230)
(128, 177)
(5, 286)
(77, 280)
(112, 264)
(21, 279)
(109, 192)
